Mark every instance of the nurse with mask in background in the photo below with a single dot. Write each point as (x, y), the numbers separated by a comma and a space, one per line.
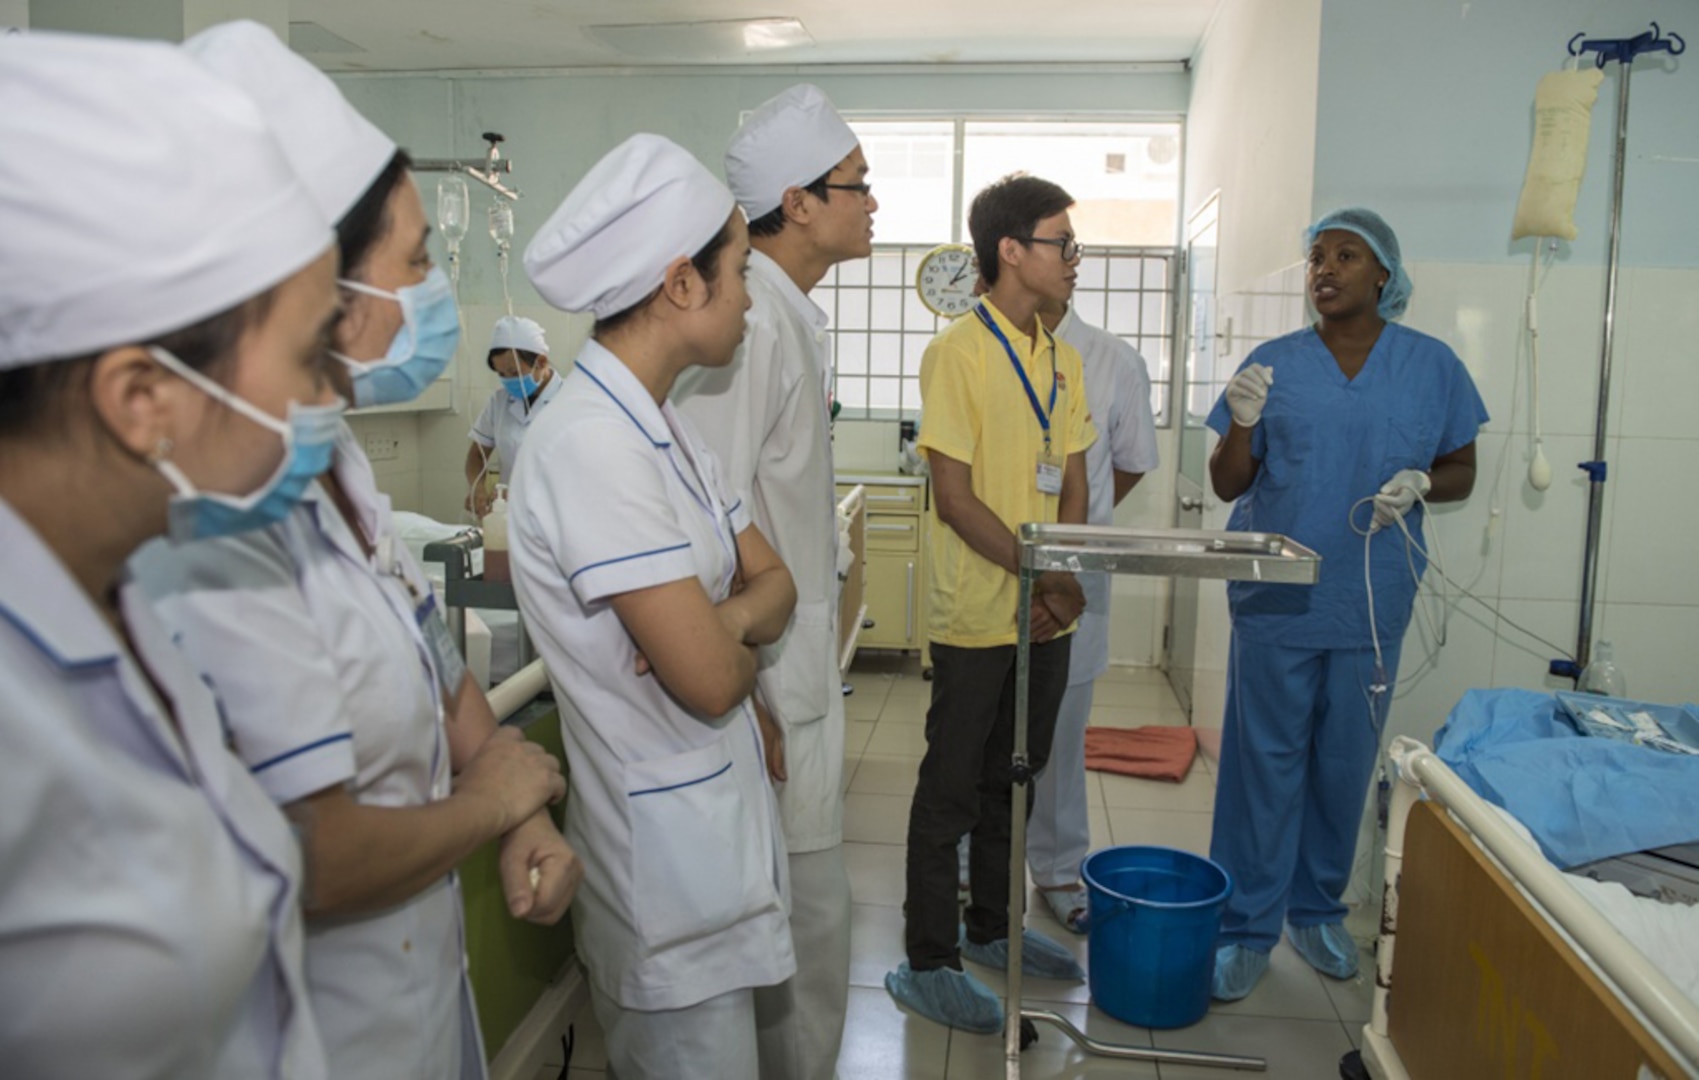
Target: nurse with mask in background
(648, 591)
(519, 355)
(341, 689)
(162, 369)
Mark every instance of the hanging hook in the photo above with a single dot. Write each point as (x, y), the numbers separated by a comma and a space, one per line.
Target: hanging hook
(1624, 50)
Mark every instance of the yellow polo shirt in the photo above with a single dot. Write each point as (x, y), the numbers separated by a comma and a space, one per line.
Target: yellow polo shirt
(974, 409)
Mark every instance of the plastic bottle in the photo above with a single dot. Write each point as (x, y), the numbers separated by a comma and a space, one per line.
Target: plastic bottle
(495, 540)
(1602, 676)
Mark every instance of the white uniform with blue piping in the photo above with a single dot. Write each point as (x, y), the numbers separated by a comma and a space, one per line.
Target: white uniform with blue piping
(315, 649)
(684, 894)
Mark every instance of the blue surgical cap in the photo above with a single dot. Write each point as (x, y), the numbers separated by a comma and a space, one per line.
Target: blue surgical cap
(1395, 295)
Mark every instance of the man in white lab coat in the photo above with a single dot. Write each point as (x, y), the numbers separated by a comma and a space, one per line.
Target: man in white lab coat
(799, 173)
(1117, 390)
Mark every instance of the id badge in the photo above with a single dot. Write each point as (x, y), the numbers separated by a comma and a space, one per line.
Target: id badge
(1049, 474)
(451, 667)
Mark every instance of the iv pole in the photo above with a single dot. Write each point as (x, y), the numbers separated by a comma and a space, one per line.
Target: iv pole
(1623, 51)
(490, 172)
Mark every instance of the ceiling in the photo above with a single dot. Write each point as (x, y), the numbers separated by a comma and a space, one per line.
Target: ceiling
(414, 35)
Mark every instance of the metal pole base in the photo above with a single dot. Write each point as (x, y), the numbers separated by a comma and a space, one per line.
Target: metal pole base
(1134, 1053)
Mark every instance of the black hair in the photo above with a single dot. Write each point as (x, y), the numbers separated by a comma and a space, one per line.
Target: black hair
(707, 263)
(367, 221)
(772, 223)
(38, 398)
(1013, 206)
(526, 356)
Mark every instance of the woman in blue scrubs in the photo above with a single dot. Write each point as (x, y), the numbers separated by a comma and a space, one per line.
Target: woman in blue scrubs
(1328, 434)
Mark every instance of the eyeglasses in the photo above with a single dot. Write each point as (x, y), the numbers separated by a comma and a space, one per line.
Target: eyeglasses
(864, 190)
(1071, 249)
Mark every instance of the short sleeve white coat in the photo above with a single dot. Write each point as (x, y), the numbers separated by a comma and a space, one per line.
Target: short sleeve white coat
(502, 424)
(1117, 390)
(685, 891)
(765, 417)
(150, 923)
(315, 649)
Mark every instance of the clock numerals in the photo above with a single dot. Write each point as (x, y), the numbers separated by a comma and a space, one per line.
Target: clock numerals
(945, 282)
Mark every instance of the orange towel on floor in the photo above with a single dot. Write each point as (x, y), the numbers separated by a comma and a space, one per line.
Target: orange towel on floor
(1153, 752)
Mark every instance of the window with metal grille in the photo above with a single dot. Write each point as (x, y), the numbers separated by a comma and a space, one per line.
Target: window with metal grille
(1125, 178)
(880, 328)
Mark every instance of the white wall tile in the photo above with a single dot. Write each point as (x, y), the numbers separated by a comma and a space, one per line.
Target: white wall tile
(865, 445)
(1657, 350)
(1544, 532)
(1653, 521)
(1519, 660)
(1571, 315)
(1653, 644)
(1431, 678)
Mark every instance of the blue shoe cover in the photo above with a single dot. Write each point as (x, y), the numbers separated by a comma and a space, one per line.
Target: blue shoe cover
(950, 997)
(1327, 947)
(1237, 972)
(1040, 957)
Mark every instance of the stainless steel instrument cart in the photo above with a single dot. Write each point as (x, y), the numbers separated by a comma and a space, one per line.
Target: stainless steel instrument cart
(1151, 552)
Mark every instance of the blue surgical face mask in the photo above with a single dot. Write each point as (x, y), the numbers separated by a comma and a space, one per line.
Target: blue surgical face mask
(420, 350)
(523, 388)
(309, 441)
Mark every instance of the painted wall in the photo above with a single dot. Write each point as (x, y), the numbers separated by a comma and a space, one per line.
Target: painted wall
(1424, 111)
(1435, 132)
(1252, 135)
(558, 125)
(1427, 109)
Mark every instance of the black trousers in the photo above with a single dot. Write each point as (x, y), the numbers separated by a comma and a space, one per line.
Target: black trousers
(966, 786)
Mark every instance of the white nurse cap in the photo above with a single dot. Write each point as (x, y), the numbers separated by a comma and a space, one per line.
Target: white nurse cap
(139, 194)
(337, 151)
(518, 332)
(792, 140)
(608, 246)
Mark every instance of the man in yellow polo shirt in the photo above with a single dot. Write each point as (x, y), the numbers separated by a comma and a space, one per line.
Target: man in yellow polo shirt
(1005, 428)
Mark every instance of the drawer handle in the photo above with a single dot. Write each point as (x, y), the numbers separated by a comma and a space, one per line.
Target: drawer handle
(891, 498)
(908, 606)
(890, 528)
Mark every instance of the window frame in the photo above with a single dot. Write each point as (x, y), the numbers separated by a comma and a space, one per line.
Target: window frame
(1162, 366)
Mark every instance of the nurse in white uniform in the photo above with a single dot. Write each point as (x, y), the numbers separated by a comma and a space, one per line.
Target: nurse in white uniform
(160, 331)
(648, 593)
(519, 355)
(799, 173)
(322, 638)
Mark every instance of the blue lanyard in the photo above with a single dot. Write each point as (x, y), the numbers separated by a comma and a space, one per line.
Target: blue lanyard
(1026, 383)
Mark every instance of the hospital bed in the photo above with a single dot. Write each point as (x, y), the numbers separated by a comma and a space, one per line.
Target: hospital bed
(1491, 963)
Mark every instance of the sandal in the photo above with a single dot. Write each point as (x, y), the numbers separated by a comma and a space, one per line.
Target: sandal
(1070, 905)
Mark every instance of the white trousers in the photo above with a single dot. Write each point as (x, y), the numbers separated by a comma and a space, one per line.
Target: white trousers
(711, 1040)
(800, 1022)
(1059, 832)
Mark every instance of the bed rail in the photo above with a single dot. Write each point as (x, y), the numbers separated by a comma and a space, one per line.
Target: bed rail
(1666, 1011)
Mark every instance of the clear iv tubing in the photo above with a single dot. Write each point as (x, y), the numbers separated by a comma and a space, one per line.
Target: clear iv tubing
(1539, 469)
(1436, 558)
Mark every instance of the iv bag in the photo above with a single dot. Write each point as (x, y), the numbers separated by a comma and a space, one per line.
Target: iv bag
(454, 209)
(501, 223)
(1563, 104)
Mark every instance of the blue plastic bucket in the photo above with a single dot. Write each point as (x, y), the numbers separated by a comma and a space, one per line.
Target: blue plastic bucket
(1155, 913)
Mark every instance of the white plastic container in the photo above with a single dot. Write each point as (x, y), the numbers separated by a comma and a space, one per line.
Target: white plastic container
(495, 540)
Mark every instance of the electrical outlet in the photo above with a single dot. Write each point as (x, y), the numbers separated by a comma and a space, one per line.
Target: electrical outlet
(382, 447)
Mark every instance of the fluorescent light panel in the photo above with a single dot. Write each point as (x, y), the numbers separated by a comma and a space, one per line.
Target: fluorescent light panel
(713, 40)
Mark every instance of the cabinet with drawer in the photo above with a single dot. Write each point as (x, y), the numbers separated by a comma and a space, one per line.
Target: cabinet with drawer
(894, 588)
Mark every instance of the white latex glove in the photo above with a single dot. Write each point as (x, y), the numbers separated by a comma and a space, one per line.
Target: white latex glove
(1247, 393)
(1398, 495)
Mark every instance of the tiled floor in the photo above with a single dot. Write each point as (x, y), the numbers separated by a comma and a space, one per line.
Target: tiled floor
(1299, 1020)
